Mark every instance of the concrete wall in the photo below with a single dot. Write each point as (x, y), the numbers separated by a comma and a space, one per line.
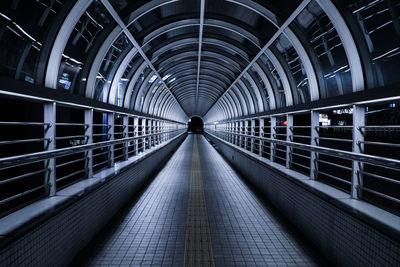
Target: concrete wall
(346, 239)
(55, 240)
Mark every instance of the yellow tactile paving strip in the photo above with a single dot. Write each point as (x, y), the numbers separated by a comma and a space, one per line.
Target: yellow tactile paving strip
(198, 247)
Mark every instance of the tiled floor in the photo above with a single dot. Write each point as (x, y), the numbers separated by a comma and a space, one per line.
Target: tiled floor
(198, 212)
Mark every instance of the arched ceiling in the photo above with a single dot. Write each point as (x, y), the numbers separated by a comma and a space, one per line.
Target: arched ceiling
(218, 59)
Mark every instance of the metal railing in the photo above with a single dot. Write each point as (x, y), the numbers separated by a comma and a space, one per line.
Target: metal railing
(362, 160)
(67, 143)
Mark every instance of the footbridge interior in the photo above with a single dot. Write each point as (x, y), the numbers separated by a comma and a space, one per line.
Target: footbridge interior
(200, 132)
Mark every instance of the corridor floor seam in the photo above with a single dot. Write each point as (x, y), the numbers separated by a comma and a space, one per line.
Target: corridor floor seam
(153, 232)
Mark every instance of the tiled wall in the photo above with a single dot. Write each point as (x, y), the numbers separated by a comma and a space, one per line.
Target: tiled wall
(343, 238)
(56, 241)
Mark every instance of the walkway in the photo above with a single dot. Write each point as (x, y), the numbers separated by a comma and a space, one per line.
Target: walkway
(198, 212)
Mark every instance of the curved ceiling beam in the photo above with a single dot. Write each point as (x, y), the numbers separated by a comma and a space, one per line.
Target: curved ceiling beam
(221, 24)
(349, 45)
(53, 64)
(258, 99)
(205, 62)
(176, 43)
(270, 42)
(177, 74)
(132, 82)
(205, 65)
(188, 56)
(177, 55)
(249, 97)
(268, 86)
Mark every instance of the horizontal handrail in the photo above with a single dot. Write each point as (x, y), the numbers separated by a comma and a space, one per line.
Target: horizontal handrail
(71, 124)
(374, 160)
(21, 141)
(17, 123)
(43, 155)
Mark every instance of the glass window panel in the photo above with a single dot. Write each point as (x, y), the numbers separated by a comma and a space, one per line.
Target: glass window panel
(111, 61)
(168, 13)
(136, 87)
(276, 82)
(380, 25)
(90, 25)
(260, 83)
(119, 5)
(170, 36)
(24, 26)
(240, 15)
(301, 93)
(126, 77)
(325, 41)
(235, 38)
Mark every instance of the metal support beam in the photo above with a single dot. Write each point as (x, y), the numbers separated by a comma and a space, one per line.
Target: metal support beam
(144, 130)
(202, 7)
(241, 131)
(261, 134)
(150, 131)
(253, 133)
(289, 138)
(246, 132)
(89, 140)
(111, 130)
(273, 136)
(358, 147)
(136, 133)
(125, 123)
(50, 134)
(292, 17)
(119, 21)
(314, 134)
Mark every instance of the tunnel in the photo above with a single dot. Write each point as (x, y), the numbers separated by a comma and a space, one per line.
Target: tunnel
(200, 133)
(195, 125)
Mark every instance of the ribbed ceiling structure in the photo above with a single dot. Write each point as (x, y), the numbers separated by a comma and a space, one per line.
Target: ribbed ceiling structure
(217, 59)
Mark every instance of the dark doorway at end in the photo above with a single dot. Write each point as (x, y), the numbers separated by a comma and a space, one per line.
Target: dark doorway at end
(195, 125)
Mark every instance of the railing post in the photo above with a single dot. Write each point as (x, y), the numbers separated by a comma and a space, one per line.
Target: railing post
(136, 133)
(246, 132)
(156, 131)
(111, 130)
(358, 147)
(230, 136)
(89, 140)
(261, 134)
(253, 133)
(226, 130)
(144, 131)
(273, 136)
(241, 131)
(50, 134)
(149, 132)
(238, 132)
(314, 134)
(125, 122)
(289, 138)
(160, 131)
(163, 129)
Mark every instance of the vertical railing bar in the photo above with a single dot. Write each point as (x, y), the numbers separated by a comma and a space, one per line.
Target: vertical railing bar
(358, 147)
(289, 136)
(314, 134)
(261, 134)
(125, 122)
(49, 117)
(89, 134)
(111, 131)
(273, 136)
